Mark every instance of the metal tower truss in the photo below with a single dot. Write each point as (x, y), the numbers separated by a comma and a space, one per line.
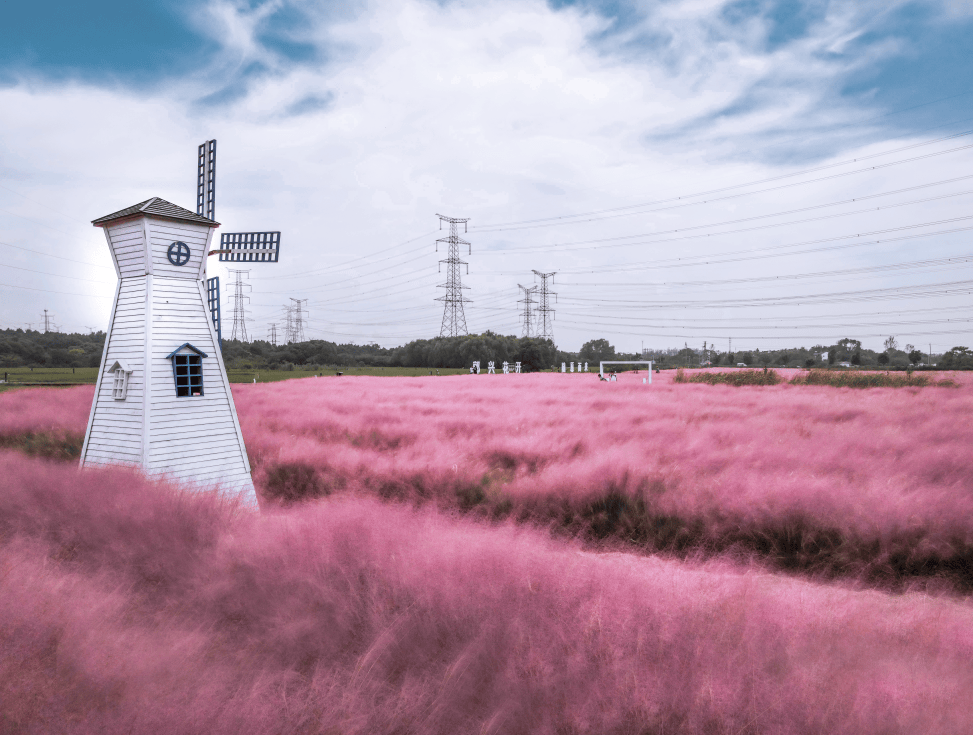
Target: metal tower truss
(527, 317)
(239, 310)
(454, 317)
(545, 314)
(295, 320)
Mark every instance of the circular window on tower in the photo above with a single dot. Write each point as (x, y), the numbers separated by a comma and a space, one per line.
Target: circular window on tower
(179, 253)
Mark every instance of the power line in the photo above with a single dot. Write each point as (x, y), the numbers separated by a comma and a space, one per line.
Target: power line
(59, 257)
(611, 212)
(932, 289)
(929, 263)
(613, 241)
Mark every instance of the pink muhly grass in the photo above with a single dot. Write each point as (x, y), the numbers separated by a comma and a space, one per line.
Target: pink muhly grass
(131, 607)
(46, 421)
(839, 481)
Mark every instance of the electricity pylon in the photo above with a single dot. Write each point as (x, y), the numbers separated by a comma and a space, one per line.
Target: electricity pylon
(239, 310)
(528, 302)
(295, 321)
(545, 314)
(454, 317)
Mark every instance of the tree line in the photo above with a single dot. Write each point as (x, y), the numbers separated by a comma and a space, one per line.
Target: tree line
(29, 348)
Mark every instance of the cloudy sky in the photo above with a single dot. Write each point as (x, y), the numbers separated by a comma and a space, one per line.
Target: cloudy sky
(775, 173)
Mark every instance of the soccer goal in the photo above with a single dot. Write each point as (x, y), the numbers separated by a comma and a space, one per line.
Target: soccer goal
(601, 366)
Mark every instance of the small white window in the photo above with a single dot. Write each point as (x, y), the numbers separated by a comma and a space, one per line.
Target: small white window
(119, 388)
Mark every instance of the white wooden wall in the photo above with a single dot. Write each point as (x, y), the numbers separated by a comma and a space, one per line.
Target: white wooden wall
(127, 243)
(162, 234)
(159, 308)
(194, 438)
(115, 427)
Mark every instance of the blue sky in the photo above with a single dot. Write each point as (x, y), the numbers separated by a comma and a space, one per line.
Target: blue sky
(349, 127)
(143, 45)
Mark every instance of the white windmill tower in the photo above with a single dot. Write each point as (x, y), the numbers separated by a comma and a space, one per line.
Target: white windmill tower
(163, 400)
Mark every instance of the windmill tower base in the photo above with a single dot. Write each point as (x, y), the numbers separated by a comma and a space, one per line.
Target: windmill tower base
(163, 401)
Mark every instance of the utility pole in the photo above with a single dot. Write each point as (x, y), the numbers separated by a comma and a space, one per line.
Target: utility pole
(528, 303)
(239, 311)
(272, 335)
(545, 314)
(297, 319)
(454, 317)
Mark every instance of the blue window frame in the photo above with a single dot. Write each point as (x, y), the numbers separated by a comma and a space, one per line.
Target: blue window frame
(187, 370)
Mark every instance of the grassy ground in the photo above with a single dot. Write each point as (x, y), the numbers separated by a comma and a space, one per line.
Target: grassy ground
(89, 375)
(271, 376)
(84, 376)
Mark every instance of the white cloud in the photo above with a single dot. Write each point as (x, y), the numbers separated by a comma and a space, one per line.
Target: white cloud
(500, 111)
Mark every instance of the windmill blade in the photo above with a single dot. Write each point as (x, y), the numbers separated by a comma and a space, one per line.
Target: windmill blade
(206, 180)
(213, 298)
(249, 247)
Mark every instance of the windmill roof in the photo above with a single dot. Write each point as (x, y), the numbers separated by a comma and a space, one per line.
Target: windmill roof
(157, 208)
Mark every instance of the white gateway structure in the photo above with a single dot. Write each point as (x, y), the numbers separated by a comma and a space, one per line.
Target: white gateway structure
(163, 401)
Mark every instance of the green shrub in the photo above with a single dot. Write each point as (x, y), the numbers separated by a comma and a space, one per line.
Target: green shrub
(736, 378)
(861, 379)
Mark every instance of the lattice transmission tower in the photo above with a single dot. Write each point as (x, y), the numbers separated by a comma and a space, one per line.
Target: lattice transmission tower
(272, 335)
(239, 310)
(295, 320)
(545, 314)
(454, 317)
(527, 318)
(47, 321)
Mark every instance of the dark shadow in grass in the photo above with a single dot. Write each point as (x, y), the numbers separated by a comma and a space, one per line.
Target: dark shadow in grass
(58, 446)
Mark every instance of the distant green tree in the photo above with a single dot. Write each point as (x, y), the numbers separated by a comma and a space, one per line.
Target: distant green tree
(883, 358)
(915, 357)
(958, 358)
(687, 357)
(597, 350)
(747, 358)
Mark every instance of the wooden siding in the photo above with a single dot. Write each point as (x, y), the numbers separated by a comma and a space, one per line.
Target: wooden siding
(191, 438)
(195, 439)
(128, 248)
(115, 427)
(163, 233)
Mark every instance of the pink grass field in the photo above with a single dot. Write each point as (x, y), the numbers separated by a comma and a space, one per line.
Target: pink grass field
(877, 478)
(815, 575)
(128, 607)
